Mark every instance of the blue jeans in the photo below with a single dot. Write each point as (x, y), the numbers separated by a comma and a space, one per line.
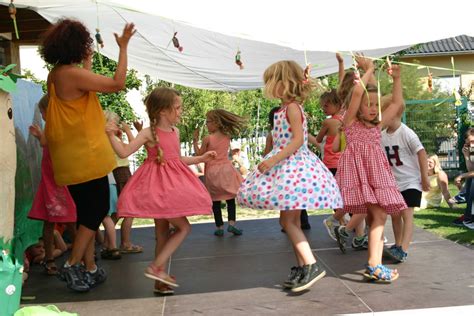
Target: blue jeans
(468, 212)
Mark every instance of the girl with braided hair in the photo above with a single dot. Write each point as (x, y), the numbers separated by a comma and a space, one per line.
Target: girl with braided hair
(163, 188)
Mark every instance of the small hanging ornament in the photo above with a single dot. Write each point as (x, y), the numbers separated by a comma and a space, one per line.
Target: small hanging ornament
(238, 60)
(12, 12)
(430, 81)
(307, 74)
(98, 38)
(176, 42)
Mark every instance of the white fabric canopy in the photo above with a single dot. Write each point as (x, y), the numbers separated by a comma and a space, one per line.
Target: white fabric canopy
(211, 32)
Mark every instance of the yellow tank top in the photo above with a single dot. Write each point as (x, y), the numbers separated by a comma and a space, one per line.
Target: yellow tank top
(75, 130)
(434, 196)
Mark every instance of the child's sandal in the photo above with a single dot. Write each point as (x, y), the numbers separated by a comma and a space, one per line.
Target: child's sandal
(159, 274)
(380, 274)
(50, 267)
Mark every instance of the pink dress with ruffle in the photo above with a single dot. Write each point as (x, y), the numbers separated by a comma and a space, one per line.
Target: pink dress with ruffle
(52, 203)
(364, 175)
(166, 190)
(221, 178)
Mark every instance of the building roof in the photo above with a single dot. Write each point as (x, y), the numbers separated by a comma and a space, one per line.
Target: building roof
(461, 44)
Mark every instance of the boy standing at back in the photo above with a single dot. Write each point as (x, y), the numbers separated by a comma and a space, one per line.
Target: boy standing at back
(408, 160)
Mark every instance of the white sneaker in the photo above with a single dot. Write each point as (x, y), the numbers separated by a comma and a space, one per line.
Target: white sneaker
(330, 222)
(468, 224)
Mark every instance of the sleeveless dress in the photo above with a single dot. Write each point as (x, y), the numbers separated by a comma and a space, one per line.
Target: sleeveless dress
(364, 175)
(300, 181)
(80, 149)
(331, 158)
(221, 178)
(166, 190)
(52, 203)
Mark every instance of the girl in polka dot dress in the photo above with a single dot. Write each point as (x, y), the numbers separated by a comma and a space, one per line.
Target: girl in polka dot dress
(291, 177)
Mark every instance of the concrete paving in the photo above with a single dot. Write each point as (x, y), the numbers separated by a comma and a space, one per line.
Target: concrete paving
(242, 276)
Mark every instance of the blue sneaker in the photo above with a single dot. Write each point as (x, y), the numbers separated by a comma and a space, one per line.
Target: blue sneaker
(398, 254)
(460, 198)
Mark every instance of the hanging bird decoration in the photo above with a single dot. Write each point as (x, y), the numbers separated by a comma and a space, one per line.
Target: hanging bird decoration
(98, 38)
(307, 74)
(12, 12)
(176, 42)
(238, 60)
(430, 81)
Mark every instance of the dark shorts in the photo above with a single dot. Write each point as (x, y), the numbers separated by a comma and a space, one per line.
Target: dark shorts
(121, 176)
(92, 201)
(412, 197)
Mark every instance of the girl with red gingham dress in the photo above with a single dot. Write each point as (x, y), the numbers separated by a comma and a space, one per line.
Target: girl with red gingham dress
(363, 174)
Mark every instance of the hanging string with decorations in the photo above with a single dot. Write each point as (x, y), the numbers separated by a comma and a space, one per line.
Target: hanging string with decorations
(430, 80)
(238, 59)
(12, 12)
(456, 95)
(176, 42)
(307, 70)
(98, 38)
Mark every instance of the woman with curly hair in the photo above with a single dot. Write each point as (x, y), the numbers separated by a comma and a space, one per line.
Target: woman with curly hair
(75, 130)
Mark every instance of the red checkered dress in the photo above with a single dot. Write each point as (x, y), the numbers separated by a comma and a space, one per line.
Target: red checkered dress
(364, 175)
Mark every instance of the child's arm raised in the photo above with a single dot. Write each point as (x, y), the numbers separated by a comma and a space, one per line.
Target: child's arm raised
(358, 92)
(294, 117)
(394, 109)
(125, 150)
(37, 132)
(341, 71)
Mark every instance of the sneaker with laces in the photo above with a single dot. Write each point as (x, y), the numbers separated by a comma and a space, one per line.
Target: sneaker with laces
(341, 237)
(330, 223)
(460, 198)
(234, 230)
(311, 273)
(96, 278)
(75, 278)
(469, 224)
(293, 277)
(360, 243)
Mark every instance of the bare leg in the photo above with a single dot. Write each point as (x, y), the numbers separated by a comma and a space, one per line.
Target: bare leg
(407, 216)
(83, 248)
(48, 238)
(397, 225)
(183, 228)
(290, 221)
(110, 237)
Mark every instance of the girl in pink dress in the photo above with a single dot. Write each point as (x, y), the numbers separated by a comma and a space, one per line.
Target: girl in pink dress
(52, 203)
(221, 178)
(163, 188)
(363, 174)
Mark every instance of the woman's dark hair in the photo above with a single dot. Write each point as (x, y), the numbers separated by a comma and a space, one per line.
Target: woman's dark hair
(271, 116)
(66, 42)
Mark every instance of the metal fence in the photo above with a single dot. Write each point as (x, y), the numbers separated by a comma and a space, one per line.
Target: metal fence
(439, 125)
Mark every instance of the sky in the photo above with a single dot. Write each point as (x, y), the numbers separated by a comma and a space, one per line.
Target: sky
(31, 60)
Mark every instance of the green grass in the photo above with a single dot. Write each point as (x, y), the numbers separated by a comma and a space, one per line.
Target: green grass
(436, 220)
